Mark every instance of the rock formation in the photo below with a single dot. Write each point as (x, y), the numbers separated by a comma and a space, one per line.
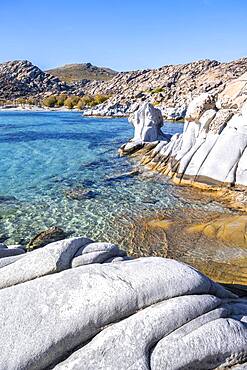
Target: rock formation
(147, 122)
(171, 87)
(22, 79)
(74, 303)
(212, 150)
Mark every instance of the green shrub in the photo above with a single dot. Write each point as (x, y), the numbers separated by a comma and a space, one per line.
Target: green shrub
(156, 91)
(80, 105)
(69, 103)
(99, 99)
(50, 101)
(61, 99)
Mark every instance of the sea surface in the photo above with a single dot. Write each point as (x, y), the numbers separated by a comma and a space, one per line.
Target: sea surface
(43, 155)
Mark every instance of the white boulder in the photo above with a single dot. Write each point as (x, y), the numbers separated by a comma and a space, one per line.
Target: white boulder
(147, 122)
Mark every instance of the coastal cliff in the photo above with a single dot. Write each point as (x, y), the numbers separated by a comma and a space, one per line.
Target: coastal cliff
(74, 303)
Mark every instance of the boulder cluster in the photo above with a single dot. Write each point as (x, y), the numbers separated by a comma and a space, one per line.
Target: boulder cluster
(77, 304)
(212, 150)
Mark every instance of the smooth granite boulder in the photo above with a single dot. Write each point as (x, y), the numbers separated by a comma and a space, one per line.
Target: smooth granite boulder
(138, 334)
(62, 311)
(147, 122)
(8, 260)
(96, 253)
(219, 342)
(198, 106)
(52, 258)
(80, 318)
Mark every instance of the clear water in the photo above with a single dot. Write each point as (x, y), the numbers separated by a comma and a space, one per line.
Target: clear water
(44, 154)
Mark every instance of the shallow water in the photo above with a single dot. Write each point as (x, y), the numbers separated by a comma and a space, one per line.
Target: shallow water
(44, 155)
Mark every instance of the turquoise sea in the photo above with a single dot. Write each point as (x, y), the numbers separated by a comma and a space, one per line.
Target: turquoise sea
(45, 154)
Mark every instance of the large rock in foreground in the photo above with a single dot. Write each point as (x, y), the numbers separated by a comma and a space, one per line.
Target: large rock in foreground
(112, 312)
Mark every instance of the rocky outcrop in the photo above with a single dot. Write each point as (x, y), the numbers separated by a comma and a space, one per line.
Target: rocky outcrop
(22, 79)
(212, 150)
(171, 87)
(147, 122)
(74, 303)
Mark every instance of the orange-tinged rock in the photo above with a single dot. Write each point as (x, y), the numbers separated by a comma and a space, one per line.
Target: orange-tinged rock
(163, 224)
(229, 229)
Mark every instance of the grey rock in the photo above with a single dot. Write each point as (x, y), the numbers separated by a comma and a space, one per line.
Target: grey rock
(52, 258)
(62, 311)
(7, 252)
(8, 260)
(137, 334)
(147, 122)
(218, 342)
(96, 253)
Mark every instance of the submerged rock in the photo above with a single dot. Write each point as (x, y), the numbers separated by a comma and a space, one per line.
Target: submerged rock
(50, 235)
(230, 229)
(162, 313)
(7, 199)
(80, 194)
(120, 176)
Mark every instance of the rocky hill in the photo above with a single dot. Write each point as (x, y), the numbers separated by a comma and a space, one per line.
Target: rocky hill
(85, 71)
(20, 78)
(171, 86)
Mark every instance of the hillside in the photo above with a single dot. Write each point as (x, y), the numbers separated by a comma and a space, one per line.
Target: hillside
(86, 71)
(168, 86)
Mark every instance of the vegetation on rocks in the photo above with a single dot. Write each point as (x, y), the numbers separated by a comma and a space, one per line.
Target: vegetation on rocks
(74, 101)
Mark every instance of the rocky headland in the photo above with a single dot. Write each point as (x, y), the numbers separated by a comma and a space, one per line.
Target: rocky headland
(74, 303)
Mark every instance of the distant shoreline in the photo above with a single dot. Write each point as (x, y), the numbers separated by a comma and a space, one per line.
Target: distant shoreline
(35, 108)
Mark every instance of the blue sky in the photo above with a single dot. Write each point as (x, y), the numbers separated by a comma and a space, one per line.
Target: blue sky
(122, 34)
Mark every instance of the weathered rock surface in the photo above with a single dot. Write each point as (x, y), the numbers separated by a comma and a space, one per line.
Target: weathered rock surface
(171, 87)
(160, 312)
(147, 122)
(21, 78)
(230, 229)
(212, 150)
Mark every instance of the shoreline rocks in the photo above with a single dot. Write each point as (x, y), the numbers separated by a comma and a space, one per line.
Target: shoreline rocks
(211, 151)
(83, 300)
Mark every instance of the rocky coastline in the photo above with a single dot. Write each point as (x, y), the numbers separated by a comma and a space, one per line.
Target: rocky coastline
(79, 304)
(211, 153)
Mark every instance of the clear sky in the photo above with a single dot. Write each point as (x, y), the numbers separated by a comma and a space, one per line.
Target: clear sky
(122, 34)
